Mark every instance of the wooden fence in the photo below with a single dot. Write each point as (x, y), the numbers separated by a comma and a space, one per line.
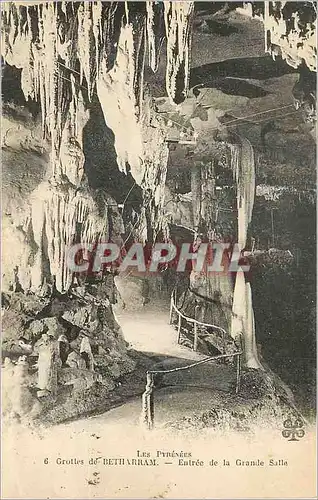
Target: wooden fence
(148, 407)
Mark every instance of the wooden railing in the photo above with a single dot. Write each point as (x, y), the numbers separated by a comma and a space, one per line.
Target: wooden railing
(148, 408)
(196, 324)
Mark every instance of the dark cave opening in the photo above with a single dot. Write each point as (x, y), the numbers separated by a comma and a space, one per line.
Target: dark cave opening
(259, 68)
(101, 162)
(284, 294)
(11, 91)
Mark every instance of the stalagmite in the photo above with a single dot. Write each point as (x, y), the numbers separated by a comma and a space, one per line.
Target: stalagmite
(19, 392)
(47, 376)
(243, 166)
(239, 306)
(243, 320)
(86, 352)
(251, 356)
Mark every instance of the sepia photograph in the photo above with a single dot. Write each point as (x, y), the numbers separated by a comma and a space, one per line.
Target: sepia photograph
(158, 255)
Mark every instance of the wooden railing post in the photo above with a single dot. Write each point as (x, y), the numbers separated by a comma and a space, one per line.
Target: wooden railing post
(195, 342)
(171, 309)
(179, 327)
(147, 412)
(148, 408)
(195, 328)
(238, 373)
(223, 346)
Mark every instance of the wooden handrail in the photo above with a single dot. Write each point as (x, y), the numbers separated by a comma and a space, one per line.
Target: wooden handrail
(148, 407)
(192, 320)
(195, 322)
(147, 416)
(197, 363)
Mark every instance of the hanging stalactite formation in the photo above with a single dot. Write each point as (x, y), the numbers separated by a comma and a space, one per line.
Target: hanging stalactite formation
(69, 48)
(178, 16)
(43, 37)
(290, 27)
(243, 167)
(69, 51)
(290, 30)
(155, 32)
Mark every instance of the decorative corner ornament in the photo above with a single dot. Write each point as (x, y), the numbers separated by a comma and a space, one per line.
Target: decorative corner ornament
(293, 429)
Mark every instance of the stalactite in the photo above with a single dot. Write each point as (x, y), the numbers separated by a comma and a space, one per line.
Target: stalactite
(44, 38)
(178, 19)
(145, 151)
(137, 22)
(117, 97)
(291, 28)
(243, 166)
(97, 11)
(62, 48)
(58, 210)
(155, 28)
(111, 22)
(87, 47)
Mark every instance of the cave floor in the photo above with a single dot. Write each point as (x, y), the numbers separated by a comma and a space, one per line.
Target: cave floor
(147, 330)
(181, 393)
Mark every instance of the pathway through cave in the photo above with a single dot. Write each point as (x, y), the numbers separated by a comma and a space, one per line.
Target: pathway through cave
(147, 330)
(180, 394)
